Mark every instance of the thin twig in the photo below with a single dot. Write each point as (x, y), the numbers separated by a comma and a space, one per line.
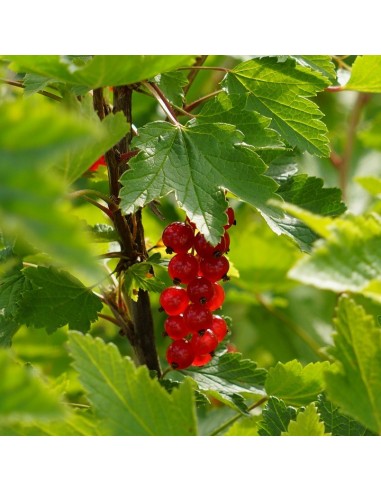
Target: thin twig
(231, 421)
(79, 193)
(216, 69)
(162, 100)
(194, 104)
(98, 205)
(109, 318)
(200, 60)
(22, 86)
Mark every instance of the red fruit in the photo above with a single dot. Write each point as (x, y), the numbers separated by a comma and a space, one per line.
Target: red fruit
(214, 269)
(219, 327)
(204, 342)
(174, 300)
(183, 268)
(192, 224)
(176, 328)
(218, 298)
(197, 317)
(200, 290)
(100, 162)
(180, 354)
(201, 360)
(231, 218)
(178, 237)
(205, 249)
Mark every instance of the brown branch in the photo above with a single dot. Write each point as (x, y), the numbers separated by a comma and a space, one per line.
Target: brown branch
(15, 83)
(109, 318)
(200, 60)
(194, 104)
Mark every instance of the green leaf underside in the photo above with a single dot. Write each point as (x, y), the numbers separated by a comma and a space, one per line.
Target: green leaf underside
(365, 74)
(172, 84)
(229, 377)
(126, 399)
(275, 417)
(294, 384)
(56, 299)
(100, 70)
(197, 162)
(347, 260)
(8, 329)
(280, 91)
(356, 386)
(307, 423)
(337, 423)
(23, 397)
(139, 276)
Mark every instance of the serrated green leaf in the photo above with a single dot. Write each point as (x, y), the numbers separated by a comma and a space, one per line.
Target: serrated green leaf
(356, 385)
(23, 397)
(34, 83)
(127, 400)
(197, 162)
(140, 276)
(280, 91)
(365, 74)
(307, 423)
(57, 299)
(100, 70)
(8, 328)
(347, 260)
(245, 426)
(229, 377)
(172, 84)
(275, 417)
(337, 423)
(319, 63)
(294, 384)
(12, 287)
(104, 233)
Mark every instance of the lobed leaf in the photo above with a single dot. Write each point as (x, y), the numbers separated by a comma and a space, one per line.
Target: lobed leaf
(307, 423)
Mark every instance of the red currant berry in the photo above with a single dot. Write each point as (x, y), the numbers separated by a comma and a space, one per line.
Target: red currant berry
(204, 342)
(231, 218)
(214, 269)
(218, 298)
(201, 360)
(197, 317)
(200, 290)
(219, 327)
(183, 268)
(180, 354)
(178, 237)
(205, 249)
(175, 327)
(192, 224)
(174, 300)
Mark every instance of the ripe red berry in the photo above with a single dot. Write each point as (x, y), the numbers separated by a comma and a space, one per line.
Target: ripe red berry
(231, 218)
(197, 317)
(178, 237)
(205, 249)
(219, 327)
(183, 268)
(174, 300)
(218, 298)
(201, 360)
(180, 354)
(200, 290)
(176, 328)
(214, 269)
(204, 342)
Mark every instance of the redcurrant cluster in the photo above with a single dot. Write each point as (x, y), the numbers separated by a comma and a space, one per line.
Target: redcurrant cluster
(198, 266)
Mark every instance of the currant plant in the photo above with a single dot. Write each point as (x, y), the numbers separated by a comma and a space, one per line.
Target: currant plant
(121, 181)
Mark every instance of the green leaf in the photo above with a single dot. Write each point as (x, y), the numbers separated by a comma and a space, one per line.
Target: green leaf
(34, 83)
(100, 70)
(356, 385)
(365, 74)
(280, 91)
(245, 426)
(319, 63)
(127, 400)
(347, 260)
(103, 233)
(57, 299)
(370, 137)
(307, 423)
(197, 162)
(140, 276)
(372, 184)
(23, 396)
(275, 417)
(171, 84)
(12, 287)
(111, 130)
(8, 328)
(337, 423)
(294, 384)
(229, 377)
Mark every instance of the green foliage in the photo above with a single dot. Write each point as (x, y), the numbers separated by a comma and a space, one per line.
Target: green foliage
(125, 398)
(141, 276)
(8, 328)
(294, 384)
(356, 385)
(365, 74)
(276, 417)
(307, 423)
(172, 84)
